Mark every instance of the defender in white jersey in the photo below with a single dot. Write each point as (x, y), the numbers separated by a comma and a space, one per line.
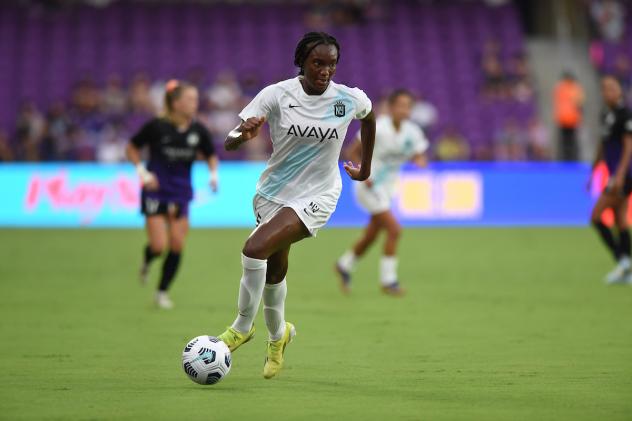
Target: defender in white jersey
(398, 141)
(298, 191)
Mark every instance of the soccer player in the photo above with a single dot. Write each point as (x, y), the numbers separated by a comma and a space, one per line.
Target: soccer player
(398, 140)
(174, 141)
(298, 191)
(616, 150)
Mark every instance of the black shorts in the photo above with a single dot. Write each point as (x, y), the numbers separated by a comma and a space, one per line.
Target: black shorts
(627, 186)
(150, 206)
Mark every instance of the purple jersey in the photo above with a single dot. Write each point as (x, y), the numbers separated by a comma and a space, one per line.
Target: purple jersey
(615, 124)
(171, 154)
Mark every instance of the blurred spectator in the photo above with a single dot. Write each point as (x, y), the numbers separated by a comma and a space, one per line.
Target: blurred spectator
(519, 79)
(29, 131)
(111, 148)
(114, 98)
(6, 154)
(85, 98)
(493, 78)
(623, 72)
(539, 142)
(54, 143)
(510, 142)
(568, 102)
(424, 113)
(139, 99)
(157, 96)
(327, 13)
(609, 15)
(225, 92)
(451, 146)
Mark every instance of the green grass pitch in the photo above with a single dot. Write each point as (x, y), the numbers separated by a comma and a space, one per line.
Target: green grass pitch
(499, 324)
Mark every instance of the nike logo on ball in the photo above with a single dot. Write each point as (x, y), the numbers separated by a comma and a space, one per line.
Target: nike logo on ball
(294, 106)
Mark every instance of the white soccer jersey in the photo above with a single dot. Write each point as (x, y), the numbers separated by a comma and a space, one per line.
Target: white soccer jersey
(392, 149)
(307, 133)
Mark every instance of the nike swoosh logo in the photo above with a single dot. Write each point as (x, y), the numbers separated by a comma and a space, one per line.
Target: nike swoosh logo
(294, 106)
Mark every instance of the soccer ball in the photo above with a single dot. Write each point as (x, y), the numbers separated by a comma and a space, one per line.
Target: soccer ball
(206, 360)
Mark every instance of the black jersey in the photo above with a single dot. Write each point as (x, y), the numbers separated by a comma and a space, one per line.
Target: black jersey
(171, 154)
(615, 124)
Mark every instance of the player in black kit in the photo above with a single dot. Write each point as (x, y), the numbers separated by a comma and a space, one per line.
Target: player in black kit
(615, 150)
(174, 142)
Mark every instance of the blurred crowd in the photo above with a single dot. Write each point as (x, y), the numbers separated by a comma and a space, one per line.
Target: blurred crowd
(97, 121)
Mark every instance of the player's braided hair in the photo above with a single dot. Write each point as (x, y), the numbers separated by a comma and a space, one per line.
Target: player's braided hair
(310, 41)
(173, 91)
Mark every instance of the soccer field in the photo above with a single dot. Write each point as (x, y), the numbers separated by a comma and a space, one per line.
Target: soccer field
(498, 324)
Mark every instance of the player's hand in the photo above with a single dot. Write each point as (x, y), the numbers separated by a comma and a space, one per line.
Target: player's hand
(354, 172)
(214, 183)
(617, 184)
(150, 182)
(250, 128)
(369, 183)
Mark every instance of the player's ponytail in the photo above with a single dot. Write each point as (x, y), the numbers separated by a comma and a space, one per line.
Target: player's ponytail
(173, 91)
(310, 41)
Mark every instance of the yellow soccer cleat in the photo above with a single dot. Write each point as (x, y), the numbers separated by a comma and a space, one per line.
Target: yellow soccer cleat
(274, 357)
(234, 339)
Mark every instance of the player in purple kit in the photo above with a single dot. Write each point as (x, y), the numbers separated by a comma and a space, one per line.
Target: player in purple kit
(174, 142)
(616, 150)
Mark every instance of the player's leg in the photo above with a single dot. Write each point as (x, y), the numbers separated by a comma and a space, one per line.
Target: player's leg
(156, 228)
(274, 293)
(621, 220)
(280, 332)
(388, 262)
(346, 263)
(283, 229)
(609, 201)
(178, 229)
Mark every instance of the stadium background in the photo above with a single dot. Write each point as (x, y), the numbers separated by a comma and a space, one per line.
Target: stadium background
(80, 77)
(507, 319)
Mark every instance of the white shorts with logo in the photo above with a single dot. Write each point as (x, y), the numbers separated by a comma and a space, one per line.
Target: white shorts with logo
(314, 213)
(374, 199)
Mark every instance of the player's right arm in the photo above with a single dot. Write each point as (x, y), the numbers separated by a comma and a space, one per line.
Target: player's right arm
(252, 118)
(247, 130)
(147, 179)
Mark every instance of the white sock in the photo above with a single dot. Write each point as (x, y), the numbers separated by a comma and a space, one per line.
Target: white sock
(624, 262)
(251, 286)
(347, 261)
(388, 270)
(274, 309)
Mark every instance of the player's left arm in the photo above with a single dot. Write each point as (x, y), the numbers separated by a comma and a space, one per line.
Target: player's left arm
(207, 149)
(420, 158)
(213, 166)
(367, 139)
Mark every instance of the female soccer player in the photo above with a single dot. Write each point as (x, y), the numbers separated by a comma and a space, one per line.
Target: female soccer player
(174, 142)
(616, 150)
(298, 191)
(397, 140)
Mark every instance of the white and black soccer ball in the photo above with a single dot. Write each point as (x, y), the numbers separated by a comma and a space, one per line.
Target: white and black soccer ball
(206, 360)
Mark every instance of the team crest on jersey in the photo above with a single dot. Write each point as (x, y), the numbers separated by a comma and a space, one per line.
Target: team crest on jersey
(339, 109)
(193, 139)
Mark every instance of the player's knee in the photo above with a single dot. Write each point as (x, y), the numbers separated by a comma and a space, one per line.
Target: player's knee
(255, 249)
(176, 246)
(394, 232)
(157, 247)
